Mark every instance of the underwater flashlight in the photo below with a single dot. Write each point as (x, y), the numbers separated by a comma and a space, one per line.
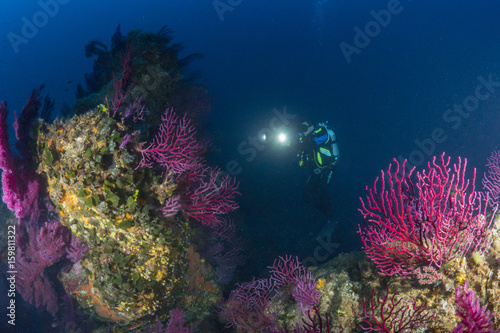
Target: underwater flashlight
(263, 138)
(282, 137)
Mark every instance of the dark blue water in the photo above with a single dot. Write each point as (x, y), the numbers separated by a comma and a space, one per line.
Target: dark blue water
(397, 89)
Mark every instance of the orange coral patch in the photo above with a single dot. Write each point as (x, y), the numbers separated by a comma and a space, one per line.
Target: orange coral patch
(209, 288)
(85, 292)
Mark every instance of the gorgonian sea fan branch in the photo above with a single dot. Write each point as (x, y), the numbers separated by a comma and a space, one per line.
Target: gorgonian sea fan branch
(210, 196)
(474, 318)
(20, 184)
(491, 181)
(174, 146)
(392, 314)
(246, 306)
(430, 221)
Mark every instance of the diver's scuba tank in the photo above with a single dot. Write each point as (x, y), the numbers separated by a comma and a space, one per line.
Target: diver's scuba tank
(332, 140)
(335, 147)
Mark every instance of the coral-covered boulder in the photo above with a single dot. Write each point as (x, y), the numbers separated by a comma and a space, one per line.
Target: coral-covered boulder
(138, 258)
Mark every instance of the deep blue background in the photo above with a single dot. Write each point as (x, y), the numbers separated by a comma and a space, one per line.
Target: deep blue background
(271, 54)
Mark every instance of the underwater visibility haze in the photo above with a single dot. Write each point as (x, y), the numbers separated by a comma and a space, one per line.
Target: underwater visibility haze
(250, 166)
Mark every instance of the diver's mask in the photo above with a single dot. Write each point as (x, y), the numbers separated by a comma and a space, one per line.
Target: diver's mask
(306, 127)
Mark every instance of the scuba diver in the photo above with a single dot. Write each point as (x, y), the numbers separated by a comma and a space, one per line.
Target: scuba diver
(318, 152)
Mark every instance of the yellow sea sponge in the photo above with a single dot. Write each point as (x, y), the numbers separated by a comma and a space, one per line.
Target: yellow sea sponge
(460, 278)
(321, 284)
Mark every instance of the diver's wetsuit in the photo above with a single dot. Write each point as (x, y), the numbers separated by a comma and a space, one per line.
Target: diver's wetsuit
(316, 193)
(318, 152)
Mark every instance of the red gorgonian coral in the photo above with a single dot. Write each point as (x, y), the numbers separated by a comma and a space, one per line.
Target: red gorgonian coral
(432, 221)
